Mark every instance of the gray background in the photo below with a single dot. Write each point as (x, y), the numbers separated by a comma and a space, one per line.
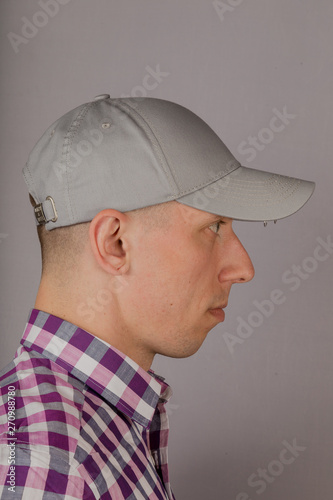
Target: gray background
(231, 413)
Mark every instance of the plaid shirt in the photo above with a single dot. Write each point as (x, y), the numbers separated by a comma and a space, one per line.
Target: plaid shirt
(80, 420)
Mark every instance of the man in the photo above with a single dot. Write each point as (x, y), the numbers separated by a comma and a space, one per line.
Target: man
(134, 201)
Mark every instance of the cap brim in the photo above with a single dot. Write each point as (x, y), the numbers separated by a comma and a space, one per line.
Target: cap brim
(251, 195)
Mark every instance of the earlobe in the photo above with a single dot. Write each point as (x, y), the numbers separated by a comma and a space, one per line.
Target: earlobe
(105, 233)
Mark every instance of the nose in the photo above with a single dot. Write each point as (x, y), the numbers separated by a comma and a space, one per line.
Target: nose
(236, 265)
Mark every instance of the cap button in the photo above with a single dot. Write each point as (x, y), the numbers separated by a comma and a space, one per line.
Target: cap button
(101, 97)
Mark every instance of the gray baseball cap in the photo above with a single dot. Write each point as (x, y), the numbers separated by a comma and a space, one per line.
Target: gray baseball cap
(131, 153)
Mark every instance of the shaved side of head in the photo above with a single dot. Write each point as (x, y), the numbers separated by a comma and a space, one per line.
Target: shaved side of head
(62, 247)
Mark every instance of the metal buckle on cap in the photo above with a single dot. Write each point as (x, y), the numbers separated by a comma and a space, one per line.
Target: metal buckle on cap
(39, 210)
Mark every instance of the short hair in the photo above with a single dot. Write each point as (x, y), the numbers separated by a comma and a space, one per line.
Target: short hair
(61, 246)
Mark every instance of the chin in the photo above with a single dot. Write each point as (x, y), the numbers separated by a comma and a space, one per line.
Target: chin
(185, 350)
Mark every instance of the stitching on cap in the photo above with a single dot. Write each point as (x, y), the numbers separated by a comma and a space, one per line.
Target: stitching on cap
(211, 181)
(197, 186)
(149, 132)
(260, 199)
(68, 142)
(144, 118)
(32, 182)
(208, 183)
(160, 142)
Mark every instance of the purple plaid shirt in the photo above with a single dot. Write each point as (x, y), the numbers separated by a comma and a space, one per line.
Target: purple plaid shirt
(80, 420)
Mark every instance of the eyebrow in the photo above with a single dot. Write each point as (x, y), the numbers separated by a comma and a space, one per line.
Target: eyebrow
(209, 219)
(212, 218)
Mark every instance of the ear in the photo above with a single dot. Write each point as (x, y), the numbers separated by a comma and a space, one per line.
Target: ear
(105, 233)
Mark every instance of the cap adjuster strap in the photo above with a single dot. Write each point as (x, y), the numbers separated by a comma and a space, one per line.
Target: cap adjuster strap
(46, 212)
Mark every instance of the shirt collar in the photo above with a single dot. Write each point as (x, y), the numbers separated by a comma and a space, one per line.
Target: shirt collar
(105, 369)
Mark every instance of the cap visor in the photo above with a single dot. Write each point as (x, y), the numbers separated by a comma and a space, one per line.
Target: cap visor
(251, 195)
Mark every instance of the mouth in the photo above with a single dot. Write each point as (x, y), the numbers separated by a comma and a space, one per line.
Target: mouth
(218, 312)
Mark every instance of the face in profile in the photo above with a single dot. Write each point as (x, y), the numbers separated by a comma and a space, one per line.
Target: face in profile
(184, 269)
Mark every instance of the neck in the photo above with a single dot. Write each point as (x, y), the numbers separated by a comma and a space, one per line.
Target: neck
(96, 313)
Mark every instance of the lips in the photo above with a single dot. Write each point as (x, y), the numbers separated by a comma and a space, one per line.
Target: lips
(222, 306)
(218, 313)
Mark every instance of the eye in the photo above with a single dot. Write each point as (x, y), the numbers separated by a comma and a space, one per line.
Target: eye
(215, 227)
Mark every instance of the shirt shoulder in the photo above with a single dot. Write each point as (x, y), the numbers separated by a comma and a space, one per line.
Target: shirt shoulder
(37, 448)
(48, 401)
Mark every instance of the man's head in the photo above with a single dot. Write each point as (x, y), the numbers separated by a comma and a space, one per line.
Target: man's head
(135, 199)
(151, 281)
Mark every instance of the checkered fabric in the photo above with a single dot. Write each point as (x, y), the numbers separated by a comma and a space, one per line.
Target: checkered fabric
(89, 422)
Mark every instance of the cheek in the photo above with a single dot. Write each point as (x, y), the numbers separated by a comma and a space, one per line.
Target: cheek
(172, 277)
(151, 280)
(181, 287)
